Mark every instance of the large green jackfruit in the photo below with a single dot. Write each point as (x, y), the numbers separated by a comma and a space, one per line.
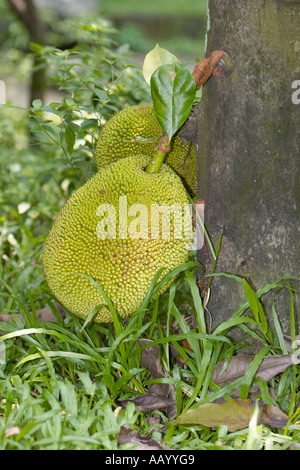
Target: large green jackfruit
(120, 138)
(97, 235)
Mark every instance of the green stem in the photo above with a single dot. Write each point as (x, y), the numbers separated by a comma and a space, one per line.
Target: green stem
(162, 149)
(156, 162)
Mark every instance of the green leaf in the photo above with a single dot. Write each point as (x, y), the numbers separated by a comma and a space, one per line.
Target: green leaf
(51, 109)
(70, 102)
(155, 58)
(89, 124)
(64, 74)
(37, 104)
(101, 94)
(70, 138)
(70, 86)
(256, 307)
(251, 371)
(51, 133)
(68, 396)
(173, 90)
(94, 81)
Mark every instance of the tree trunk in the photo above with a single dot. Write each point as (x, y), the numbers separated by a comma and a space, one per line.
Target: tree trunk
(28, 13)
(248, 149)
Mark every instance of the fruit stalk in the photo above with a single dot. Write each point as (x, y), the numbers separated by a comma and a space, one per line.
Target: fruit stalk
(163, 147)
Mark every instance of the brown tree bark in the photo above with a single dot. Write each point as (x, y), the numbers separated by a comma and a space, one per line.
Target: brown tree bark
(28, 14)
(248, 150)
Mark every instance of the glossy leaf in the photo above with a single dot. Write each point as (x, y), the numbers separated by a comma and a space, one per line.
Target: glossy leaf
(173, 90)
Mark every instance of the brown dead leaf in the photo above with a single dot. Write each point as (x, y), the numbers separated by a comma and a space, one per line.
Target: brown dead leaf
(235, 414)
(43, 314)
(160, 397)
(269, 368)
(127, 435)
(154, 421)
(289, 344)
(274, 365)
(175, 358)
(149, 402)
(150, 360)
(12, 431)
(205, 67)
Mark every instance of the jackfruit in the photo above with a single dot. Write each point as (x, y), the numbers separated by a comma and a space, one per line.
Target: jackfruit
(118, 245)
(121, 135)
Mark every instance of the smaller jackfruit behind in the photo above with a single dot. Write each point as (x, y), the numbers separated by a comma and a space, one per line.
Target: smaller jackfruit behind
(97, 235)
(120, 138)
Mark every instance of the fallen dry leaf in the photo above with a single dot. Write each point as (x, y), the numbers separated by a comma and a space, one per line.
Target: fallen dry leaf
(238, 366)
(289, 344)
(150, 360)
(126, 436)
(43, 314)
(235, 414)
(149, 402)
(160, 397)
(205, 67)
(12, 431)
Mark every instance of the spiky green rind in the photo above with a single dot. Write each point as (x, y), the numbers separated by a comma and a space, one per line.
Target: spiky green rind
(118, 139)
(124, 268)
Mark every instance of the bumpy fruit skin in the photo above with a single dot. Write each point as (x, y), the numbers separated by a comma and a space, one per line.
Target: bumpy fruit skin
(123, 267)
(118, 139)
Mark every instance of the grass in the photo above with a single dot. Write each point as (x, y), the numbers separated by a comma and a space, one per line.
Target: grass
(60, 382)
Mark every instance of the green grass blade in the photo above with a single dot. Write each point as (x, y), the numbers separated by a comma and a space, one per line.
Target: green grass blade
(250, 373)
(197, 302)
(278, 330)
(202, 373)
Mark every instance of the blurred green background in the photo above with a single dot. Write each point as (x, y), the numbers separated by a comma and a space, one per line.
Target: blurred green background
(176, 25)
(136, 27)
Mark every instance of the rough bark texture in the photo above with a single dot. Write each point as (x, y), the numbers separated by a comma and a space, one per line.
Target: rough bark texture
(248, 149)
